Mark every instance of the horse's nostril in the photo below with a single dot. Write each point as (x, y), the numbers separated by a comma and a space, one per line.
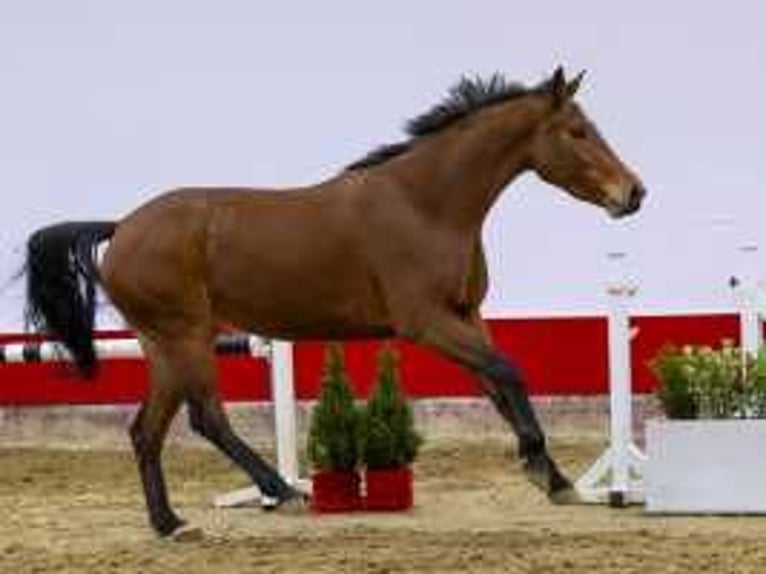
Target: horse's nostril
(637, 195)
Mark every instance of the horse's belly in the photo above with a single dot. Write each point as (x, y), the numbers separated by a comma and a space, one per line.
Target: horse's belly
(310, 326)
(343, 312)
(329, 332)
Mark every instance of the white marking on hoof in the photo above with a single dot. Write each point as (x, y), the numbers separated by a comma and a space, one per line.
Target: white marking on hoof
(269, 502)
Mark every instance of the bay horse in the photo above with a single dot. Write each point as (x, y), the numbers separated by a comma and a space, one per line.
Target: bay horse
(390, 246)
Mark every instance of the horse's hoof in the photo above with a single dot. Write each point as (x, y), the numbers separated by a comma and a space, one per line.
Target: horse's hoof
(565, 496)
(543, 473)
(295, 504)
(186, 533)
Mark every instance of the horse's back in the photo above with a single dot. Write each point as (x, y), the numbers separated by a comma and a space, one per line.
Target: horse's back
(294, 266)
(281, 263)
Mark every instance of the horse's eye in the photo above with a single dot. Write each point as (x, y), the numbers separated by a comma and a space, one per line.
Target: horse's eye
(578, 133)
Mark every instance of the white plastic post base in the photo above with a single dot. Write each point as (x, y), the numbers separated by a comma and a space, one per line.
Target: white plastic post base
(597, 486)
(251, 496)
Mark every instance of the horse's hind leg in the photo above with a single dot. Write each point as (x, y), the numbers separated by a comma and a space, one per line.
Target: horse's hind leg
(147, 434)
(194, 368)
(207, 417)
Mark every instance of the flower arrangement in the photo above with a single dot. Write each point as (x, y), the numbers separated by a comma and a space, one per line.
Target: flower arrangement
(700, 382)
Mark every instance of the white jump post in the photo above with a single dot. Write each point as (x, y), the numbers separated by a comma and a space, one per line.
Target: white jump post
(283, 395)
(748, 296)
(616, 477)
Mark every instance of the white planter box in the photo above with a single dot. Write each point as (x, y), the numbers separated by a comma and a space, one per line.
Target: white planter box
(711, 466)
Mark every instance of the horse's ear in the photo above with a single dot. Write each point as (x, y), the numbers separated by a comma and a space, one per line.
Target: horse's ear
(558, 87)
(574, 85)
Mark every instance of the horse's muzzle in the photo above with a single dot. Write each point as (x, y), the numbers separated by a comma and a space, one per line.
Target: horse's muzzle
(635, 199)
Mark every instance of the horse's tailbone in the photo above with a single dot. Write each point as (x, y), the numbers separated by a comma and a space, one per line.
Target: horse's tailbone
(61, 286)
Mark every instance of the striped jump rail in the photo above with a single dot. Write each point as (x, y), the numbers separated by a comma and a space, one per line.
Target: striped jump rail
(123, 348)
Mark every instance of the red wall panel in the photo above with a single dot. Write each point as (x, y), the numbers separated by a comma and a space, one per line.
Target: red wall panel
(560, 356)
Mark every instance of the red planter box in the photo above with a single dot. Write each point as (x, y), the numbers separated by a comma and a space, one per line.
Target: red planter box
(388, 489)
(336, 491)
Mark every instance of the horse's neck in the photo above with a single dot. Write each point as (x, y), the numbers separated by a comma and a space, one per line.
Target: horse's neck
(458, 175)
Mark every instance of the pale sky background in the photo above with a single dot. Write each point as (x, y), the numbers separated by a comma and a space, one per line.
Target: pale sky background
(104, 104)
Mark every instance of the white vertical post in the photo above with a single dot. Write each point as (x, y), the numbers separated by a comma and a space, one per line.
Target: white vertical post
(620, 393)
(747, 290)
(615, 478)
(283, 393)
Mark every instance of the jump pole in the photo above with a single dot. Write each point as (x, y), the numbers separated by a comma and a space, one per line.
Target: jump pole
(616, 477)
(278, 354)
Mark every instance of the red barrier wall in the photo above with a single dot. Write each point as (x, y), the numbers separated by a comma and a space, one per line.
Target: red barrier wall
(561, 356)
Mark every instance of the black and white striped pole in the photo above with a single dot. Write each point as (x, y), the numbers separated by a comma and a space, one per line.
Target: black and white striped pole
(122, 348)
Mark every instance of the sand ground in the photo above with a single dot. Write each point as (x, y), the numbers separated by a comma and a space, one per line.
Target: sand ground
(81, 511)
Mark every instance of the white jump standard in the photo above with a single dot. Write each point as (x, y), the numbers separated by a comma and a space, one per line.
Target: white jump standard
(616, 477)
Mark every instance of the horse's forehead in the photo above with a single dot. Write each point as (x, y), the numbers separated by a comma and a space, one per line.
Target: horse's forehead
(571, 112)
(575, 111)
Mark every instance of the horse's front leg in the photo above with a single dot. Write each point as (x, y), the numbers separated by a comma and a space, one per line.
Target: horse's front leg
(467, 341)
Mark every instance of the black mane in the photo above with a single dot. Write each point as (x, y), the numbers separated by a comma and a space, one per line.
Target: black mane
(463, 99)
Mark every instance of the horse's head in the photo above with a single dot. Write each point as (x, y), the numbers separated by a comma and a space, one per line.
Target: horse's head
(569, 152)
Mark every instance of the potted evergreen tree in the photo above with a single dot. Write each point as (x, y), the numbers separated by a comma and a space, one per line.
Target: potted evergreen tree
(333, 440)
(389, 442)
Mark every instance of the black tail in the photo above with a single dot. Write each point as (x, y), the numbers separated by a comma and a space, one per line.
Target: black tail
(61, 285)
